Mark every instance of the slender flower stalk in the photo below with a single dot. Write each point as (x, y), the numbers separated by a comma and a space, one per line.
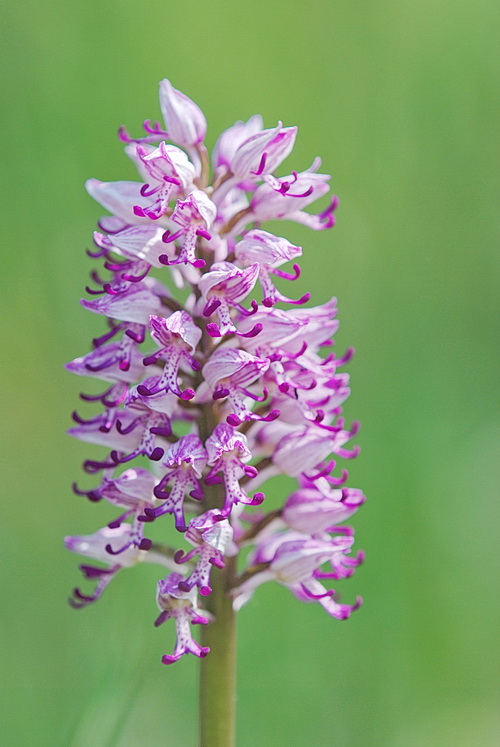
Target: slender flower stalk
(205, 399)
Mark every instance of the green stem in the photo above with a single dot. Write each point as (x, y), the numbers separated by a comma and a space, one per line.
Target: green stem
(218, 669)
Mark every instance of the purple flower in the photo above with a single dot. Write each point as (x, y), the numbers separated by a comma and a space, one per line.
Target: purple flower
(167, 172)
(231, 139)
(302, 450)
(317, 506)
(233, 390)
(263, 152)
(96, 546)
(180, 606)
(229, 372)
(195, 216)
(119, 198)
(295, 560)
(177, 337)
(211, 535)
(228, 454)
(135, 304)
(306, 188)
(118, 361)
(184, 120)
(223, 288)
(269, 252)
(184, 463)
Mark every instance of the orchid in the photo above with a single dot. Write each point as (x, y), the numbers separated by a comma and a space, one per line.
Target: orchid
(214, 387)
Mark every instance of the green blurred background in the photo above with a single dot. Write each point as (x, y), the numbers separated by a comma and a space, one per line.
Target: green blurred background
(400, 98)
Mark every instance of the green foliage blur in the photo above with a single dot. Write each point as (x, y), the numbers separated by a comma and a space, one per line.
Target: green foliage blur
(400, 99)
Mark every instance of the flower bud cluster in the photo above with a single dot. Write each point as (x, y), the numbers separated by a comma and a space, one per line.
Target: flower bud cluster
(208, 397)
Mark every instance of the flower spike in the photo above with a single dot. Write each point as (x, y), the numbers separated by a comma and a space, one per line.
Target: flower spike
(235, 386)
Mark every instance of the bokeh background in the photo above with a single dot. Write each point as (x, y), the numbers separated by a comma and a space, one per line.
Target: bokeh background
(401, 101)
